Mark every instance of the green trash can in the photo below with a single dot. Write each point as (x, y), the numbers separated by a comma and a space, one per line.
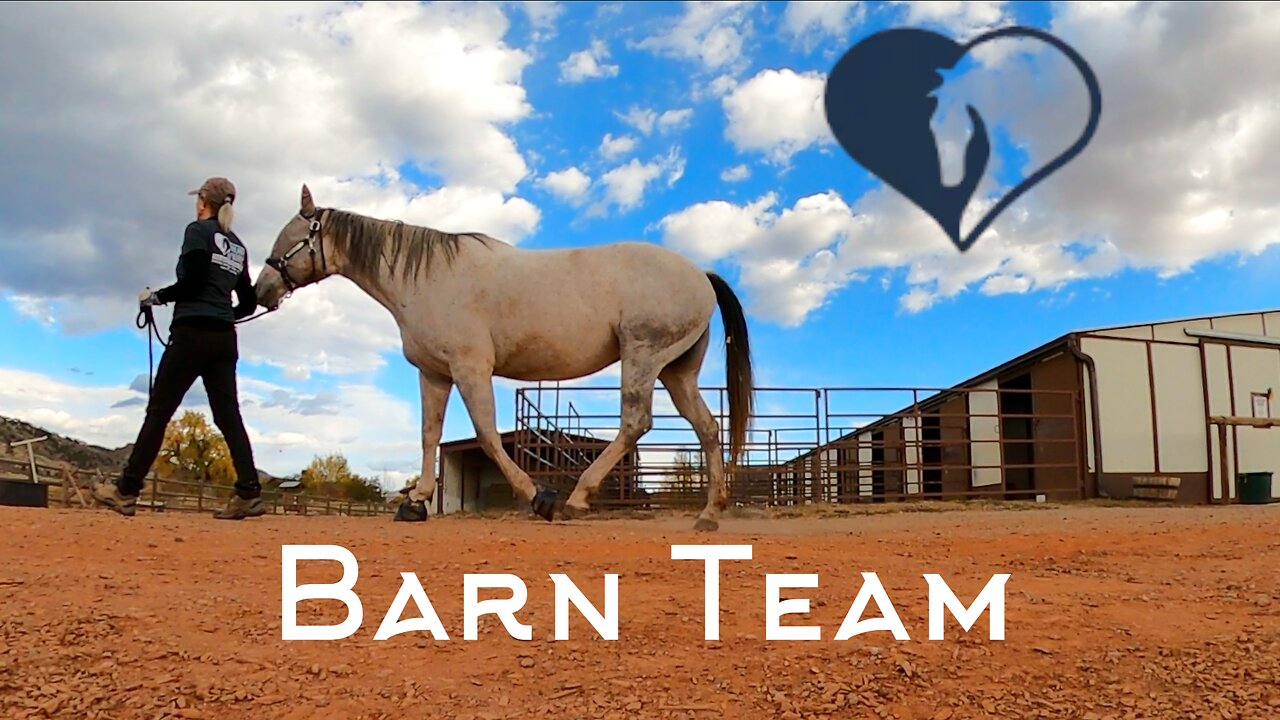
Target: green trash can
(1253, 488)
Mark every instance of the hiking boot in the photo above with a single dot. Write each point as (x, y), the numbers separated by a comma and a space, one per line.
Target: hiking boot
(238, 508)
(107, 493)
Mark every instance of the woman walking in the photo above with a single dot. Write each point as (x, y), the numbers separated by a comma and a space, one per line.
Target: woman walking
(202, 344)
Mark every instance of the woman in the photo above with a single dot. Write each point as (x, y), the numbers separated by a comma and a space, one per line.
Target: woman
(202, 343)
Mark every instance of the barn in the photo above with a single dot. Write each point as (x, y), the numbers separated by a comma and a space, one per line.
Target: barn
(1174, 410)
(470, 482)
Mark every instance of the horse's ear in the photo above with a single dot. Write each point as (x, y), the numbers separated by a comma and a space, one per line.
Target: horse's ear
(308, 205)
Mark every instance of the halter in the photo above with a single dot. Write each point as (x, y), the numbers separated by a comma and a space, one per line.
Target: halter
(281, 264)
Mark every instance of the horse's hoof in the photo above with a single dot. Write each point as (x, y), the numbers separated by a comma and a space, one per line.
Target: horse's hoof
(544, 503)
(570, 512)
(705, 525)
(411, 511)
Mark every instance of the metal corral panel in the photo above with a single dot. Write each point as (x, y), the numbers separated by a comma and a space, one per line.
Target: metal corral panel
(1179, 408)
(1124, 404)
(984, 436)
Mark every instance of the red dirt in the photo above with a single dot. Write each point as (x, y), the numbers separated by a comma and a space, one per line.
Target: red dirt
(1110, 612)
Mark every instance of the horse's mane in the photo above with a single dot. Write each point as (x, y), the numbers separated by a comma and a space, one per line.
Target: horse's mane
(366, 241)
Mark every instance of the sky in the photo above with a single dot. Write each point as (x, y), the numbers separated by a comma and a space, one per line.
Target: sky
(697, 126)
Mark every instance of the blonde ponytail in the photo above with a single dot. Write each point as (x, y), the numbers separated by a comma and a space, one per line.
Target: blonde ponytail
(225, 216)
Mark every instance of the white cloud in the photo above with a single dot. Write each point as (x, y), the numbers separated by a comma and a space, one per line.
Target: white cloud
(1182, 93)
(672, 120)
(286, 428)
(542, 17)
(642, 119)
(645, 120)
(811, 22)
(716, 229)
(611, 147)
(962, 18)
(709, 33)
(330, 94)
(625, 185)
(569, 184)
(722, 85)
(791, 260)
(737, 173)
(587, 64)
(39, 309)
(778, 113)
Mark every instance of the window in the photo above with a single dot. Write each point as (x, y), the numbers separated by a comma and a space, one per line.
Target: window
(1261, 404)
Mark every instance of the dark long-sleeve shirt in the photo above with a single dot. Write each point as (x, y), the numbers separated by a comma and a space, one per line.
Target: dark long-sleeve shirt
(213, 264)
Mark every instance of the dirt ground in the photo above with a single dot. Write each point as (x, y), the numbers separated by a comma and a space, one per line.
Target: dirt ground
(1111, 612)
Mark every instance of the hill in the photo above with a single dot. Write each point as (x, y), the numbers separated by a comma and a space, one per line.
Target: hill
(59, 449)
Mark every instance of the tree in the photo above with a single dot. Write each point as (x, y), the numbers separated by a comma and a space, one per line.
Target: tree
(192, 450)
(331, 476)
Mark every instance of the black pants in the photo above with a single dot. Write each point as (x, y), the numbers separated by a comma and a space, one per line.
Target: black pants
(195, 353)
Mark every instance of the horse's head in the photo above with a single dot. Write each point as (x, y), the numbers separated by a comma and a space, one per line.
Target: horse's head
(297, 259)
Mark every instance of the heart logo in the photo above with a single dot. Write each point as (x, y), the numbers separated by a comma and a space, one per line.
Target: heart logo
(878, 104)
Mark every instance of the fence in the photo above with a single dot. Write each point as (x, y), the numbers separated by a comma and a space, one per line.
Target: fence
(811, 445)
(70, 487)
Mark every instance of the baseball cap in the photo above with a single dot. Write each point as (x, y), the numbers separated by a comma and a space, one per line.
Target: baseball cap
(216, 191)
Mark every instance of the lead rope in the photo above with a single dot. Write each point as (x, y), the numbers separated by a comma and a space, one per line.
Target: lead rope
(147, 320)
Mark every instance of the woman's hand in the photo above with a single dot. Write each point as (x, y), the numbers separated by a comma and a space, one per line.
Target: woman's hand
(148, 299)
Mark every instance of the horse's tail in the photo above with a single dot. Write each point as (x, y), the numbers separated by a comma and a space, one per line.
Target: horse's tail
(737, 351)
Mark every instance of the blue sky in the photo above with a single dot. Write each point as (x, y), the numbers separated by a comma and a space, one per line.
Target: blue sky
(1103, 243)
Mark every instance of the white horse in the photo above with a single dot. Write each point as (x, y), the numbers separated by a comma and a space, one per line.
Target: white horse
(494, 309)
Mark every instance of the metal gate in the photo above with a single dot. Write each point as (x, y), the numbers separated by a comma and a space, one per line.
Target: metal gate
(817, 445)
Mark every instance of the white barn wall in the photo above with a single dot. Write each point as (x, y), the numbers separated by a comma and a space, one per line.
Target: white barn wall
(1272, 323)
(1135, 332)
(1247, 324)
(1176, 331)
(451, 479)
(1180, 415)
(1124, 404)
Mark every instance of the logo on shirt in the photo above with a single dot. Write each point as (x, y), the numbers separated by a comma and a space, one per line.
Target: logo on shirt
(229, 256)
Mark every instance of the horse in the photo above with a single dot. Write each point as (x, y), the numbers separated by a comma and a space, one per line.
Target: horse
(493, 309)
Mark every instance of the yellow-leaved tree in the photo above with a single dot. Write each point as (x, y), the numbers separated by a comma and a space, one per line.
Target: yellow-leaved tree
(193, 450)
(331, 476)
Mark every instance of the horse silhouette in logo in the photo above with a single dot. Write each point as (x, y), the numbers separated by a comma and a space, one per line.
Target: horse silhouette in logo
(879, 102)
